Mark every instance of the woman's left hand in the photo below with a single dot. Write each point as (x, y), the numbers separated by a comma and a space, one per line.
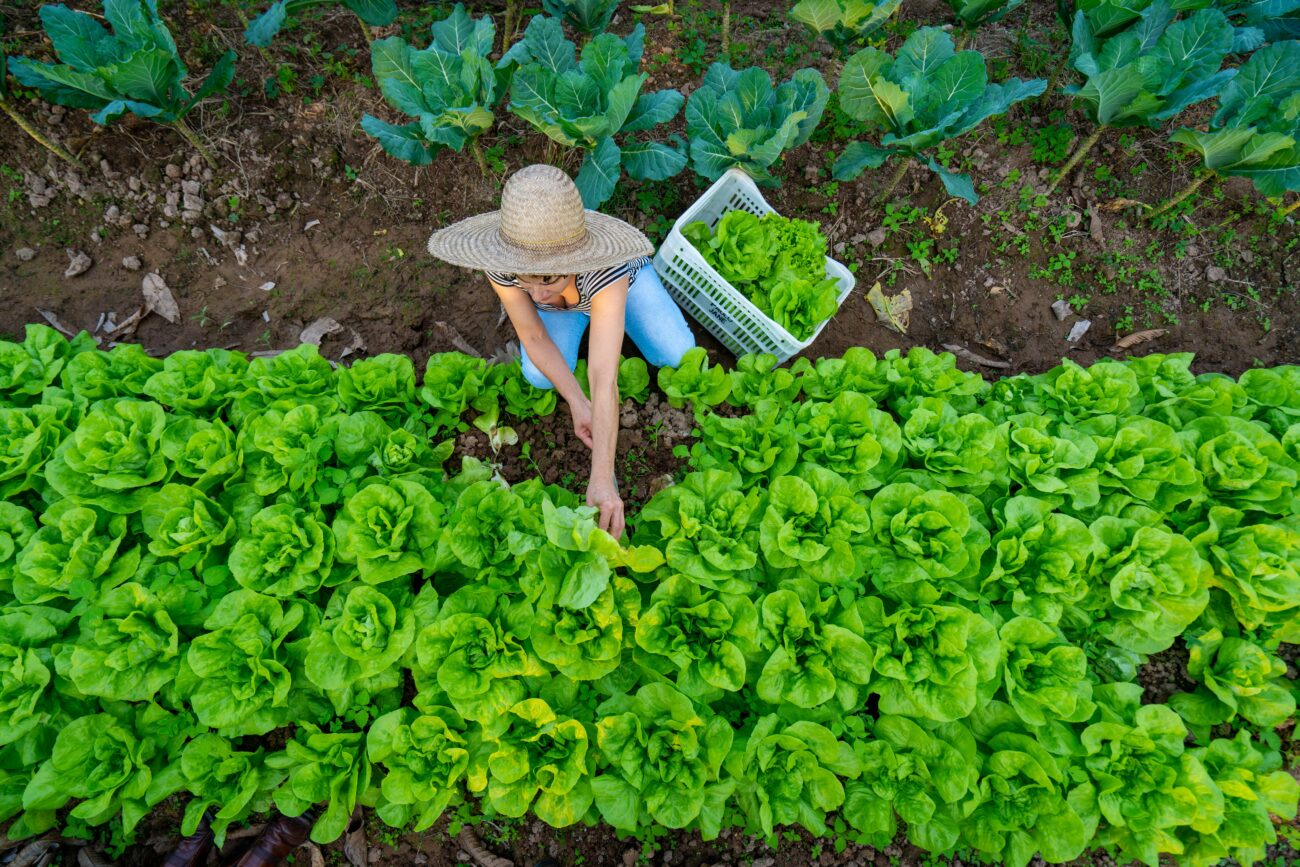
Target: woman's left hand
(604, 496)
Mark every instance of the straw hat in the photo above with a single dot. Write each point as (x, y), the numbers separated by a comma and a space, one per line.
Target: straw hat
(542, 228)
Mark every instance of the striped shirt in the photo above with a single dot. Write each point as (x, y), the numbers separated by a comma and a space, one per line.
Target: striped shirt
(589, 283)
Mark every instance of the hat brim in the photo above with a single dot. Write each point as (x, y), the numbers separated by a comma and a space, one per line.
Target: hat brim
(476, 242)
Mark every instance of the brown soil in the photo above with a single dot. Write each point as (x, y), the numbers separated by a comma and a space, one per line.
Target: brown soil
(548, 449)
(288, 162)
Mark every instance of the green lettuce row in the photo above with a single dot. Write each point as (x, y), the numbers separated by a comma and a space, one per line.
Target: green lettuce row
(915, 600)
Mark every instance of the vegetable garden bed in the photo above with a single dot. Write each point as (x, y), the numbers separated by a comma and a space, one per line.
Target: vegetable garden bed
(884, 589)
(871, 607)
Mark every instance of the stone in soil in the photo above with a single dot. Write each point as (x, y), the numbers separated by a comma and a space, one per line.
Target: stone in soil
(79, 263)
(25, 254)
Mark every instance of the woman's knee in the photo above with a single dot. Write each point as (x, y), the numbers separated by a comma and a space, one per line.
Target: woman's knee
(667, 351)
(534, 375)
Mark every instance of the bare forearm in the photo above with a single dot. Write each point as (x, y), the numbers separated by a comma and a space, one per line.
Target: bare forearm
(604, 431)
(546, 355)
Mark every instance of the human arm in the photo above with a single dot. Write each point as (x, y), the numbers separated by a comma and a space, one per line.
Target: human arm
(606, 343)
(546, 356)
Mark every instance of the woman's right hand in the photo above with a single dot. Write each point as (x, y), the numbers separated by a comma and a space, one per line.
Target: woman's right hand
(581, 412)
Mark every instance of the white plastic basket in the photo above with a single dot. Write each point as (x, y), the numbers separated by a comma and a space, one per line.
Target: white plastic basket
(715, 303)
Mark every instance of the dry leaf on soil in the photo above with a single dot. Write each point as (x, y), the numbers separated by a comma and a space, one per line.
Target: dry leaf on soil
(316, 332)
(50, 317)
(1138, 337)
(158, 299)
(1115, 205)
(354, 840)
(891, 310)
(975, 357)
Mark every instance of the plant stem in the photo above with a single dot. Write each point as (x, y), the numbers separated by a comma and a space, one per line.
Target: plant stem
(726, 28)
(243, 19)
(1054, 80)
(478, 156)
(1078, 155)
(897, 178)
(38, 137)
(1289, 209)
(365, 31)
(508, 26)
(1181, 197)
(190, 136)
(961, 39)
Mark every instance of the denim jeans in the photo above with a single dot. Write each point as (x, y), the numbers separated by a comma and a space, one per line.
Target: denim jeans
(652, 320)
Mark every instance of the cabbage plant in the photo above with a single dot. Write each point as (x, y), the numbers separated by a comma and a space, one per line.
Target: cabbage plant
(134, 68)
(370, 13)
(449, 88)
(925, 544)
(974, 13)
(738, 119)
(1255, 134)
(844, 22)
(114, 456)
(28, 438)
(706, 638)
(9, 108)
(587, 16)
(932, 662)
(365, 632)
(476, 654)
(814, 527)
(1149, 72)
(694, 379)
(926, 94)
(199, 381)
(586, 100)
(389, 529)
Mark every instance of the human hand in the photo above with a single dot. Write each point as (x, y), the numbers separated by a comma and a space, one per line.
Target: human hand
(581, 413)
(604, 496)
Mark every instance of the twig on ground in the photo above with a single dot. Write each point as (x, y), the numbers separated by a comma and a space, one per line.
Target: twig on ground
(474, 846)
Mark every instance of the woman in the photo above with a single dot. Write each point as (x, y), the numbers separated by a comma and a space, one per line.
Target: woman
(557, 267)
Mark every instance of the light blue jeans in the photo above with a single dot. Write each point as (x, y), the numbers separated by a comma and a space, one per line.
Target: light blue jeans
(652, 320)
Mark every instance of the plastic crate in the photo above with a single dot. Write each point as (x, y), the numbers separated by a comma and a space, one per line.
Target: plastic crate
(715, 303)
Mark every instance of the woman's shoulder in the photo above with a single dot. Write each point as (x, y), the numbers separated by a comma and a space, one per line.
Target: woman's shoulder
(594, 281)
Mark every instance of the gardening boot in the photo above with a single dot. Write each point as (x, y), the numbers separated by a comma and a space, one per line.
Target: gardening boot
(193, 850)
(280, 837)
